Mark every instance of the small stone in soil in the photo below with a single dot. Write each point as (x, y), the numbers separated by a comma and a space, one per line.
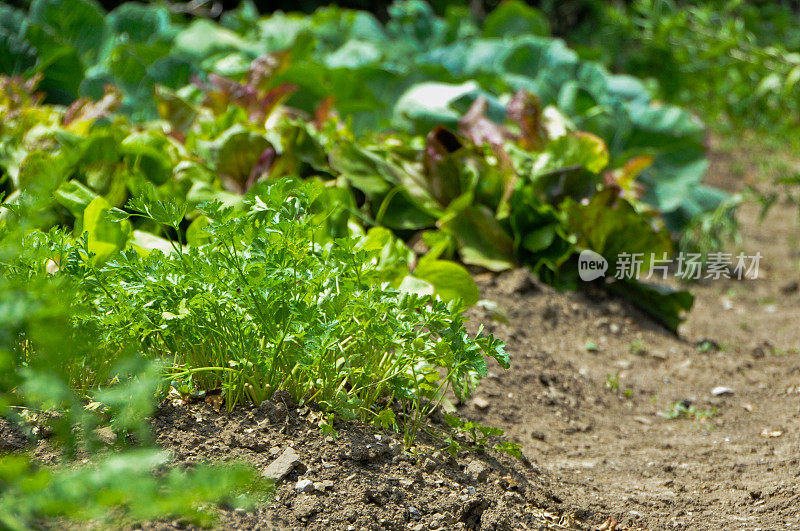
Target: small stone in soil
(477, 471)
(322, 486)
(436, 521)
(720, 391)
(395, 447)
(429, 464)
(304, 485)
(768, 433)
(284, 464)
(480, 403)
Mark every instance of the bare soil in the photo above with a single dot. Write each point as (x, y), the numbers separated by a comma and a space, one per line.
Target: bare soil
(361, 479)
(738, 469)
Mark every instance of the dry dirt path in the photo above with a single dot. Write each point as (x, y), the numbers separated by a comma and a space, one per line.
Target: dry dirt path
(738, 469)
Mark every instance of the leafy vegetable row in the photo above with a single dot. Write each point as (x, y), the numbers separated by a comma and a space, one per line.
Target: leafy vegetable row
(412, 73)
(263, 306)
(531, 191)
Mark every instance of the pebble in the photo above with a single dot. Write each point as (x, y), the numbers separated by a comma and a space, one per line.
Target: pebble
(480, 403)
(478, 471)
(304, 485)
(322, 486)
(624, 364)
(396, 447)
(436, 521)
(768, 433)
(281, 466)
(720, 391)
(429, 464)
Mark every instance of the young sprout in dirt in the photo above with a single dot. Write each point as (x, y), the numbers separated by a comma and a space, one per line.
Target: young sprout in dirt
(326, 426)
(478, 436)
(708, 345)
(684, 409)
(612, 384)
(637, 347)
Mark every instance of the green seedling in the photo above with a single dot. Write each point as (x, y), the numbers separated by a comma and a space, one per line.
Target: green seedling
(684, 409)
(613, 385)
(612, 382)
(479, 435)
(637, 347)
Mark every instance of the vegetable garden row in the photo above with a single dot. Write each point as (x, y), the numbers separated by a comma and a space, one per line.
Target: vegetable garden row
(503, 147)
